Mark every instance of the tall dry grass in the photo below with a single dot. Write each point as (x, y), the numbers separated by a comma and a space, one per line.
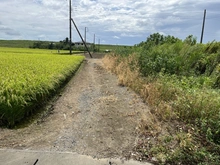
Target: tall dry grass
(127, 70)
(166, 132)
(128, 75)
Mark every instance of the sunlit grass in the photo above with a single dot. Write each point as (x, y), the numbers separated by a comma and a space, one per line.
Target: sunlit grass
(29, 76)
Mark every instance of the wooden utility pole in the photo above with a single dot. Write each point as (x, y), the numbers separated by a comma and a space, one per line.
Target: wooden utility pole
(94, 43)
(99, 44)
(85, 34)
(70, 19)
(94, 40)
(203, 26)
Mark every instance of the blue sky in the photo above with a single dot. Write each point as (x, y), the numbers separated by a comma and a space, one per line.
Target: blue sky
(126, 22)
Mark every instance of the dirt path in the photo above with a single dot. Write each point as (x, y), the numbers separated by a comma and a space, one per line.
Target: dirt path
(93, 116)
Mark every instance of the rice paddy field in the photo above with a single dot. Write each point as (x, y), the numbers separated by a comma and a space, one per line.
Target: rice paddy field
(29, 77)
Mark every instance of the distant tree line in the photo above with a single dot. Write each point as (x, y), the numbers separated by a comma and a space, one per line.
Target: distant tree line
(61, 45)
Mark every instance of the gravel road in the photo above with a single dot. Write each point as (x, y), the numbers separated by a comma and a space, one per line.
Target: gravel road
(92, 116)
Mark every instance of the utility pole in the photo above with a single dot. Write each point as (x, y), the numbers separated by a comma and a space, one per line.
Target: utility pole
(85, 34)
(94, 43)
(94, 40)
(70, 19)
(203, 26)
(99, 44)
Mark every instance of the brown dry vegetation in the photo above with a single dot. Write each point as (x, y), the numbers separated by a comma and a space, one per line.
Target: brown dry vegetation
(163, 137)
(149, 126)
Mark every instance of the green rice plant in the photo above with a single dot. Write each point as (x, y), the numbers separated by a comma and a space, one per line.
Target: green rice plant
(29, 77)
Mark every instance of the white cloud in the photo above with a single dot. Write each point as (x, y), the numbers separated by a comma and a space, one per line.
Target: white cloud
(116, 37)
(125, 18)
(130, 35)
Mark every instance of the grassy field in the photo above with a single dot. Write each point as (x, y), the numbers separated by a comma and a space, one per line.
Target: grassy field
(30, 76)
(103, 47)
(16, 43)
(28, 43)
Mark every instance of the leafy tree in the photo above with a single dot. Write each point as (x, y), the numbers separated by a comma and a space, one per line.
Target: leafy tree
(157, 39)
(190, 40)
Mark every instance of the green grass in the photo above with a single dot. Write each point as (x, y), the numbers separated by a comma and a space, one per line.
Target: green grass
(29, 77)
(28, 43)
(104, 47)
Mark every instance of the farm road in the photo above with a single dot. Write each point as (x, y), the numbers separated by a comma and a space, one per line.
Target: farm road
(92, 116)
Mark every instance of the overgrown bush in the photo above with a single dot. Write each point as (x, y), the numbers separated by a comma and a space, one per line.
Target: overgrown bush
(180, 80)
